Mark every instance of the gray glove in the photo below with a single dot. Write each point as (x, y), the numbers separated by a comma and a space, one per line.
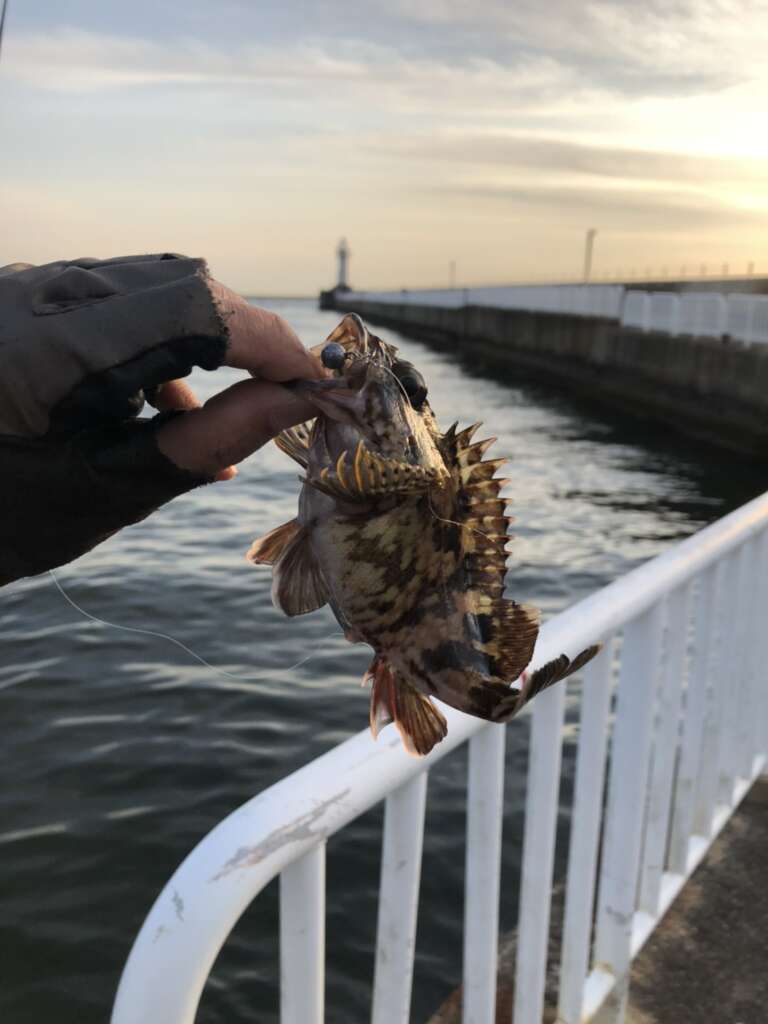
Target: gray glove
(81, 345)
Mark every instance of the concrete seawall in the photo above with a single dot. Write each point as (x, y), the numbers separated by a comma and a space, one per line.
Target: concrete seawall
(713, 389)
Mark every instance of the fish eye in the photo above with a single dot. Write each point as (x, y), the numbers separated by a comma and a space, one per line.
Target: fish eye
(333, 356)
(414, 384)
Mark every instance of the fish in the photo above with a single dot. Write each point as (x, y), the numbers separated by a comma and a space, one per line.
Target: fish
(402, 530)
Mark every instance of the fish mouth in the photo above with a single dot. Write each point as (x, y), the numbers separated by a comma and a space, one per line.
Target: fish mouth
(335, 398)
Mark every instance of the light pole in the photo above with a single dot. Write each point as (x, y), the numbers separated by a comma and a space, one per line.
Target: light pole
(588, 246)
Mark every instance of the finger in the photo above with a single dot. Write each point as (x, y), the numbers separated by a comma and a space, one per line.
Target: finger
(178, 395)
(174, 394)
(262, 342)
(231, 425)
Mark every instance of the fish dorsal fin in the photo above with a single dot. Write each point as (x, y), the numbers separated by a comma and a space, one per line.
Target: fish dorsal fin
(267, 549)
(393, 699)
(295, 442)
(297, 582)
(503, 630)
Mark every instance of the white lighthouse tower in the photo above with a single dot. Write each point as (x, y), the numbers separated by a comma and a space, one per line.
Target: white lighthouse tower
(342, 253)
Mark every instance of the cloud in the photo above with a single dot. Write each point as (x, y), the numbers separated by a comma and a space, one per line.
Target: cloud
(659, 47)
(516, 153)
(533, 64)
(621, 210)
(81, 60)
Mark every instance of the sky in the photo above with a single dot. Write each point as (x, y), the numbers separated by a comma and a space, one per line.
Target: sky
(491, 135)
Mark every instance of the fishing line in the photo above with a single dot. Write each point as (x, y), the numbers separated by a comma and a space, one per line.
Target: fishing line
(179, 643)
(2, 23)
(453, 522)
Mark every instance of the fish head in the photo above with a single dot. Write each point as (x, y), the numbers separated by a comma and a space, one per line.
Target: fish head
(373, 398)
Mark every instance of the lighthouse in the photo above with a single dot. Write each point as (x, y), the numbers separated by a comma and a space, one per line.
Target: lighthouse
(342, 252)
(328, 298)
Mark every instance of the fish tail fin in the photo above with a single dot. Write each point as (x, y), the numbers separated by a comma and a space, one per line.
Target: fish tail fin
(393, 699)
(553, 672)
(556, 670)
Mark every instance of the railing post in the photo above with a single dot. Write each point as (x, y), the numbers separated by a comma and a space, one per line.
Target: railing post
(664, 748)
(706, 789)
(302, 939)
(630, 751)
(538, 854)
(398, 902)
(585, 835)
(754, 617)
(728, 681)
(485, 811)
(694, 719)
(760, 648)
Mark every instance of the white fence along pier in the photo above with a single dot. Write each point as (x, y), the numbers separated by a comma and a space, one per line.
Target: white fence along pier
(743, 317)
(673, 720)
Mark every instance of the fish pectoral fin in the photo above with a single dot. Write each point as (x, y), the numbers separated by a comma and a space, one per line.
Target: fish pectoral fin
(297, 581)
(295, 442)
(362, 475)
(420, 724)
(267, 549)
(553, 672)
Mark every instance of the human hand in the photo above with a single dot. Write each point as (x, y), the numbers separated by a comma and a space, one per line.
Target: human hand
(239, 420)
(82, 344)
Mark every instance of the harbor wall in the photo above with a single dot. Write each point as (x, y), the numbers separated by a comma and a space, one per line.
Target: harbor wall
(713, 389)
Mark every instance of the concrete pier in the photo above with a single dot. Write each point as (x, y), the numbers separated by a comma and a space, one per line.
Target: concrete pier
(715, 389)
(707, 959)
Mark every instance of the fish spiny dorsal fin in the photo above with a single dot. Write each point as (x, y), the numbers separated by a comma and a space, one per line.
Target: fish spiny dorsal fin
(295, 442)
(481, 512)
(465, 436)
(453, 441)
(504, 631)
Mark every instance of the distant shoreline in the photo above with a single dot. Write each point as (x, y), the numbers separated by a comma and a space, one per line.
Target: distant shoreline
(273, 298)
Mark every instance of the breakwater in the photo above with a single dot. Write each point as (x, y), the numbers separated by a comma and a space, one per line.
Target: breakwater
(715, 389)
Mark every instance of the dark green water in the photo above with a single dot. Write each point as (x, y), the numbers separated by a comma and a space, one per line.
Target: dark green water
(119, 752)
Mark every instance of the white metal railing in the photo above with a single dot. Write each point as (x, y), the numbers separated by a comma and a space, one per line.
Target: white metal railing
(688, 734)
(573, 299)
(703, 314)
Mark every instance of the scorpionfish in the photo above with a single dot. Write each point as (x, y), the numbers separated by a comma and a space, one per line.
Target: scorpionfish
(401, 529)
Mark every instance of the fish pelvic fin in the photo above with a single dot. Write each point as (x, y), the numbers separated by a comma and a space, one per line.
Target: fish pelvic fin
(553, 672)
(298, 585)
(267, 549)
(393, 699)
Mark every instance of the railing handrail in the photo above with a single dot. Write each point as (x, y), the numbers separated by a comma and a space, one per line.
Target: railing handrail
(190, 920)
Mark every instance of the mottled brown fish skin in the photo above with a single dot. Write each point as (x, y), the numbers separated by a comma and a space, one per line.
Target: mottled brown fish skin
(403, 531)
